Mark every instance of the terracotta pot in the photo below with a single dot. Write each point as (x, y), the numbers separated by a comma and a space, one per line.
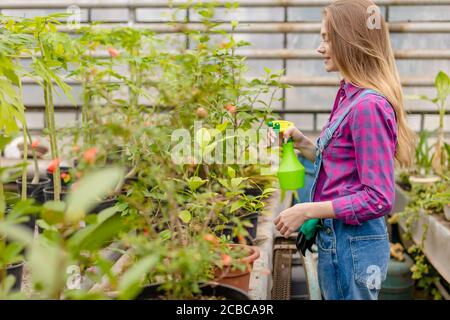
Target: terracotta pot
(235, 277)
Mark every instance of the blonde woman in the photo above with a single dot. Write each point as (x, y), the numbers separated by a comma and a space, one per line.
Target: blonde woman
(355, 155)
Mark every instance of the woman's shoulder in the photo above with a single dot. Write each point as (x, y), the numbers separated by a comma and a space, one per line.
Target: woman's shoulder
(374, 105)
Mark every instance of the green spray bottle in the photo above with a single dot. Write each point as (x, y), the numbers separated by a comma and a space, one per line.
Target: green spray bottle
(291, 173)
(291, 176)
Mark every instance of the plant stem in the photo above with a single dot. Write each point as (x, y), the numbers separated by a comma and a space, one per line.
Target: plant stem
(25, 157)
(2, 201)
(50, 111)
(25, 146)
(84, 109)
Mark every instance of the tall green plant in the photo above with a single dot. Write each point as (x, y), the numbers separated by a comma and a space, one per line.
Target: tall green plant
(51, 56)
(442, 85)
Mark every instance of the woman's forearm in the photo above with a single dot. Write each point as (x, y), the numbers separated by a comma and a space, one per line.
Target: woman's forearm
(319, 210)
(308, 151)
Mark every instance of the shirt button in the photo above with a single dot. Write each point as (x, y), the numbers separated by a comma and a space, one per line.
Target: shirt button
(328, 231)
(380, 206)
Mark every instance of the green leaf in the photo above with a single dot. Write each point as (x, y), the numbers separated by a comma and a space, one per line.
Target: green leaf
(224, 183)
(231, 172)
(237, 205)
(185, 216)
(129, 284)
(4, 140)
(221, 127)
(53, 212)
(11, 253)
(269, 190)
(202, 137)
(195, 182)
(91, 190)
(47, 265)
(235, 182)
(17, 233)
(442, 83)
(94, 236)
(165, 235)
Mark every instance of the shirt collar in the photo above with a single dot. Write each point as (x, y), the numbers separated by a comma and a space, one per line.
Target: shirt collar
(349, 88)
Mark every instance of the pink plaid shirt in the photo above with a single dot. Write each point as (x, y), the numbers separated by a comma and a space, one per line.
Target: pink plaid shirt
(357, 172)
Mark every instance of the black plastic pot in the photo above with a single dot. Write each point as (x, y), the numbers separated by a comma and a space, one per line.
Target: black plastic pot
(11, 199)
(253, 219)
(49, 193)
(105, 204)
(62, 169)
(151, 292)
(34, 190)
(16, 270)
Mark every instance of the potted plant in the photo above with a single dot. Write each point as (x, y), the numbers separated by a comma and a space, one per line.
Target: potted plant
(423, 161)
(21, 44)
(442, 85)
(236, 265)
(51, 55)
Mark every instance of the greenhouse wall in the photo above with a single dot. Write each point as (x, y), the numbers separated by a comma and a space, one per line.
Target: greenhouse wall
(306, 105)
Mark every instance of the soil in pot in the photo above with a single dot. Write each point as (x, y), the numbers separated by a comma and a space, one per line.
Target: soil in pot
(236, 277)
(34, 190)
(16, 270)
(250, 239)
(218, 291)
(66, 178)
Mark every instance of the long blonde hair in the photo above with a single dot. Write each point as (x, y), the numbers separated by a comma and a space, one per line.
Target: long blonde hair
(364, 56)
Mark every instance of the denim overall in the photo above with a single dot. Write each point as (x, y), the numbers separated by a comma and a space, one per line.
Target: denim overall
(353, 259)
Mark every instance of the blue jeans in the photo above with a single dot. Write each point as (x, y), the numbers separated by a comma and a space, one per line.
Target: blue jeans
(353, 260)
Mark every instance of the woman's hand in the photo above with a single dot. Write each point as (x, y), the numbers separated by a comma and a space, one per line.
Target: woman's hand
(291, 219)
(301, 142)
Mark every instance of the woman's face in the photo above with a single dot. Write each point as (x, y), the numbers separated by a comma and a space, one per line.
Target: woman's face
(325, 49)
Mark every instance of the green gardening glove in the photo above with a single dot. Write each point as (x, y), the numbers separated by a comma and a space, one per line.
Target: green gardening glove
(309, 228)
(307, 235)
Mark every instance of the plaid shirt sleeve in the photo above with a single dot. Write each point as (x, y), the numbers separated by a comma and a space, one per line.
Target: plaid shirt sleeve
(374, 134)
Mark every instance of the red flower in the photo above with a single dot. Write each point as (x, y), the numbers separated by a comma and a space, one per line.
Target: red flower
(90, 154)
(35, 144)
(113, 52)
(53, 165)
(65, 176)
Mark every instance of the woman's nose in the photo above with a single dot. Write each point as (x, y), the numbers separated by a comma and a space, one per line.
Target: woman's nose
(321, 49)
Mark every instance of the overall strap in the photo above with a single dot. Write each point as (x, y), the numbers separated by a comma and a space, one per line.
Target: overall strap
(328, 133)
